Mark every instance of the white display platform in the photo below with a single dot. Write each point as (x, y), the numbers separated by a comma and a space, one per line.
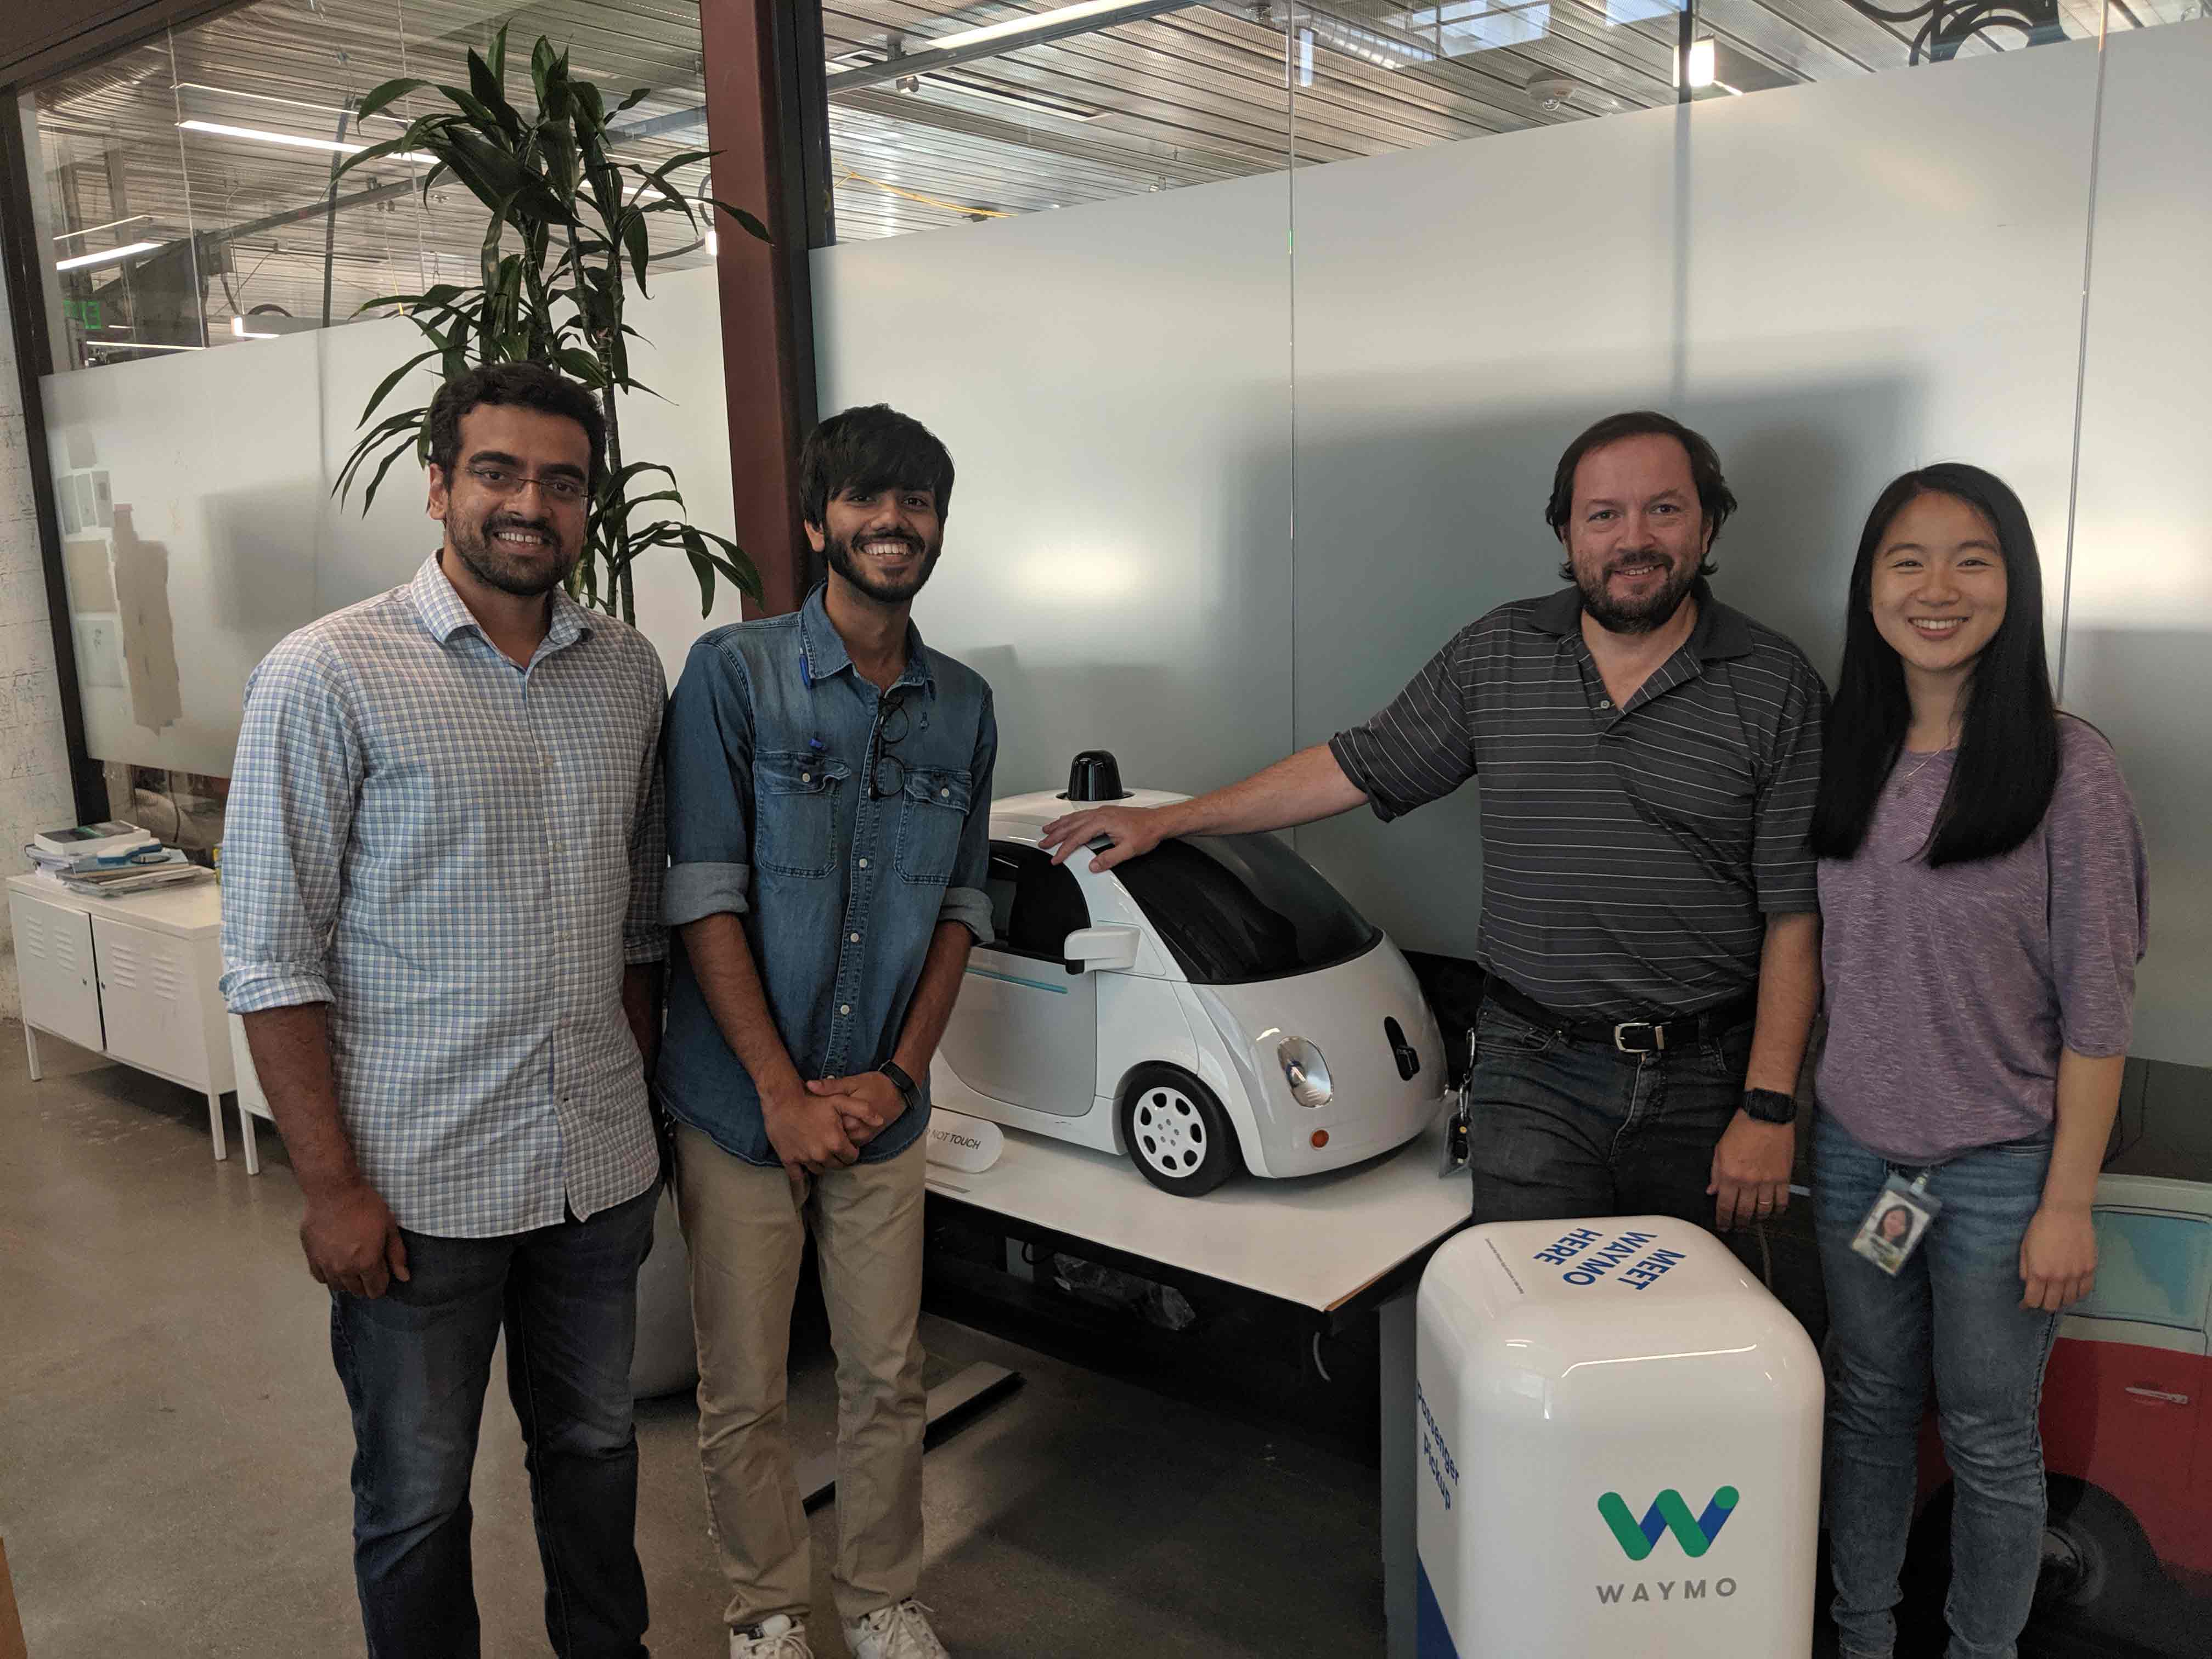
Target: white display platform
(1317, 1241)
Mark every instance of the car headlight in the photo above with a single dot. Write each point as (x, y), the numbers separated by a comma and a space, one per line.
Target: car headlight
(1306, 1070)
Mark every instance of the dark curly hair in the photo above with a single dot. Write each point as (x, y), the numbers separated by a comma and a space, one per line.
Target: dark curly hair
(518, 385)
(1714, 496)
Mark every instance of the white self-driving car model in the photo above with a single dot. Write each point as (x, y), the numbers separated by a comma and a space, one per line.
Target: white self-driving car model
(1213, 1004)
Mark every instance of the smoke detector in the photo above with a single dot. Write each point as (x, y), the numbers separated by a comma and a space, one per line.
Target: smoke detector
(1552, 92)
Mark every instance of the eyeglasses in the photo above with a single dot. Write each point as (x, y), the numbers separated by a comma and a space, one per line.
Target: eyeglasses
(505, 481)
(892, 724)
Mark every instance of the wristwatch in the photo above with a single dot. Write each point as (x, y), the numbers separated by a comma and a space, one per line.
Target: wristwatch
(1770, 1105)
(908, 1090)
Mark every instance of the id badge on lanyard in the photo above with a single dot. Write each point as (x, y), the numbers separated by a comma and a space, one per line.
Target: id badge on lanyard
(1893, 1228)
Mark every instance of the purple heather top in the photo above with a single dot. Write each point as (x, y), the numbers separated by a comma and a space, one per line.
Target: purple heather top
(1951, 992)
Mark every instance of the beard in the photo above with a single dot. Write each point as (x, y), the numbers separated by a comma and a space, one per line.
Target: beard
(497, 564)
(838, 550)
(1643, 615)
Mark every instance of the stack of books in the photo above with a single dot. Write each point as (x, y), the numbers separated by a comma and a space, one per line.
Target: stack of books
(108, 858)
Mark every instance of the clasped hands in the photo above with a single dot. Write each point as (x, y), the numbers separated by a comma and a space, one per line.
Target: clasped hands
(826, 1126)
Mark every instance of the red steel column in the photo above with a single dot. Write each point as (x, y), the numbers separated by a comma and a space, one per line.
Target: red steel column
(766, 345)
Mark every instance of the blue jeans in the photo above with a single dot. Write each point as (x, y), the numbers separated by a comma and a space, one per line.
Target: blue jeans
(1561, 1128)
(415, 1362)
(1955, 1311)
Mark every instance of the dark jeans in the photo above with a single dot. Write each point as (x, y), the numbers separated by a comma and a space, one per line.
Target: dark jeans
(1562, 1127)
(415, 1362)
(1953, 1313)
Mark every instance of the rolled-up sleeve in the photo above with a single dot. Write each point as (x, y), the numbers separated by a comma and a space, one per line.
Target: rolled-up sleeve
(967, 899)
(1421, 747)
(709, 745)
(1783, 869)
(292, 790)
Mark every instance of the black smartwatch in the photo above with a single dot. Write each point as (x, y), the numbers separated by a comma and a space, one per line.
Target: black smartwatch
(909, 1091)
(1771, 1105)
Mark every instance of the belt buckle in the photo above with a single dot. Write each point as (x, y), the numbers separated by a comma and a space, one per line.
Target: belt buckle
(1656, 1032)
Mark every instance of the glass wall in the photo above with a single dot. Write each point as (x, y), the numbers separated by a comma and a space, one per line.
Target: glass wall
(188, 190)
(944, 113)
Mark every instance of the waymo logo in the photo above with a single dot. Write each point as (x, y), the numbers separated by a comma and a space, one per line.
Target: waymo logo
(1667, 1513)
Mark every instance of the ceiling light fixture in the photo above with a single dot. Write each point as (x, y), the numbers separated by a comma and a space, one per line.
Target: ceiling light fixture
(93, 230)
(1384, 49)
(106, 256)
(286, 103)
(1032, 103)
(292, 141)
(1024, 25)
(238, 329)
(1703, 63)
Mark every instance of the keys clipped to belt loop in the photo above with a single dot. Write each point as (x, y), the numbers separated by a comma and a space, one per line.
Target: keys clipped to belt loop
(1455, 1125)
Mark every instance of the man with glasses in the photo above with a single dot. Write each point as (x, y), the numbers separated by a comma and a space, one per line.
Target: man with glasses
(442, 870)
(830, 790)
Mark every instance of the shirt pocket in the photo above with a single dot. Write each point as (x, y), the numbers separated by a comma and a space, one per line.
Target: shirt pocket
(796, 797)
(930, 821)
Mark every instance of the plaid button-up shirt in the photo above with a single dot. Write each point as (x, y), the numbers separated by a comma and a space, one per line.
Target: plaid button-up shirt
(460, 857)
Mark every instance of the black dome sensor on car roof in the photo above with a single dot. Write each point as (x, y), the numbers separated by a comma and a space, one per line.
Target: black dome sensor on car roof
(1096, 775)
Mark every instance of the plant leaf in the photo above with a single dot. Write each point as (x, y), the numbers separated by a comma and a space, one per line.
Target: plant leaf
(752, 227)
(705, 572)
(541, 67)
(641, 250)
(495, 58)
(390, 381)
(390, 92)
(491, 89)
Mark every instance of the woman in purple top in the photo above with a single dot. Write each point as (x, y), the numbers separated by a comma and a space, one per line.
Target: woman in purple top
(1982, 896)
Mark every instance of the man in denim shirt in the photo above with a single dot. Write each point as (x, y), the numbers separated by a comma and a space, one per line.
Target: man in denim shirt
(829, 808)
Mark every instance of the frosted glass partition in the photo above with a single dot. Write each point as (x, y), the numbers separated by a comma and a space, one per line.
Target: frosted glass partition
(1114, 384)
(1834, 283)
(2139, 643)
(201, 529)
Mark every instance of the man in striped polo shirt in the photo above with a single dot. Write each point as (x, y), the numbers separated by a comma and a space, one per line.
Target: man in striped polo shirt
(1648, 758)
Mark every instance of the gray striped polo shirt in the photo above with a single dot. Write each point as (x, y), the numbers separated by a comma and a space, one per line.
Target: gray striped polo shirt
(1630, 856)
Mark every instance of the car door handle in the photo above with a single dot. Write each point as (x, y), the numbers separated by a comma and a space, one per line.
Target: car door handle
(2143, 1392)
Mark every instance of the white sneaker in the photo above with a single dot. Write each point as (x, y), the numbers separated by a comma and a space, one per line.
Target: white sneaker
(895, 1632)
(780, 1637)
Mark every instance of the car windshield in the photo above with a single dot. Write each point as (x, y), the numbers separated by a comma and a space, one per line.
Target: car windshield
(1236, 909)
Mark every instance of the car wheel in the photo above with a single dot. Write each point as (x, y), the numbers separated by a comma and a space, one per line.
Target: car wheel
(1176, 1131)
(2095, 1553)
(2095, 1556)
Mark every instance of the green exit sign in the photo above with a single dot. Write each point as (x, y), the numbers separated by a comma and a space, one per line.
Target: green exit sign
(85, 313)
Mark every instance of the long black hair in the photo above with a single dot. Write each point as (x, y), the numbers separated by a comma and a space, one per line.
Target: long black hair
(2007, 764)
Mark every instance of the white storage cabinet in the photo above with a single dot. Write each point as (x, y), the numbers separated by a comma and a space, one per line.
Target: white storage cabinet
(135, 977)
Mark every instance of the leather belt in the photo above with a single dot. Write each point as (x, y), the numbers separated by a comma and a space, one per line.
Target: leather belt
(1629, 1037)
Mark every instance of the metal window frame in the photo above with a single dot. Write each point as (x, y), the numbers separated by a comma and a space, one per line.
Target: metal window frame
(19, 251)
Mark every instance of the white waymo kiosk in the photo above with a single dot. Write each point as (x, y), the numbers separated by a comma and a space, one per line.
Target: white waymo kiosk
(1619, 1446)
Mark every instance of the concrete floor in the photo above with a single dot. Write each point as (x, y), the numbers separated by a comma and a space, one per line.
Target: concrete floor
(173, 1446)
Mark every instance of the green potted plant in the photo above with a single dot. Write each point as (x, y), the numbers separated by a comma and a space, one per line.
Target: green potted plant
(567, 234)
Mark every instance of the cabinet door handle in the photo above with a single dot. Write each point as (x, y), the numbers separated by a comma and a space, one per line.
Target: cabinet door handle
(2142, 1392)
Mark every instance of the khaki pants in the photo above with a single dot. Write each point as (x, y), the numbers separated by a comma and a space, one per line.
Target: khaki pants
(746, 1228)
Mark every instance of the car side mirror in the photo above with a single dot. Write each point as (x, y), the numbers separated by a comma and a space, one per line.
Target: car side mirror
(1100, 950)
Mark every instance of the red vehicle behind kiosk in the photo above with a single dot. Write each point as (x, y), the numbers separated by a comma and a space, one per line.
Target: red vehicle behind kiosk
(2127, 1416)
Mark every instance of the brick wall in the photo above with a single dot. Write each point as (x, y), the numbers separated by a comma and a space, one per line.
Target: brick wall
(35, 783)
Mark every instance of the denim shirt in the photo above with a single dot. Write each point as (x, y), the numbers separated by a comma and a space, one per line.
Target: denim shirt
(771, 740)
